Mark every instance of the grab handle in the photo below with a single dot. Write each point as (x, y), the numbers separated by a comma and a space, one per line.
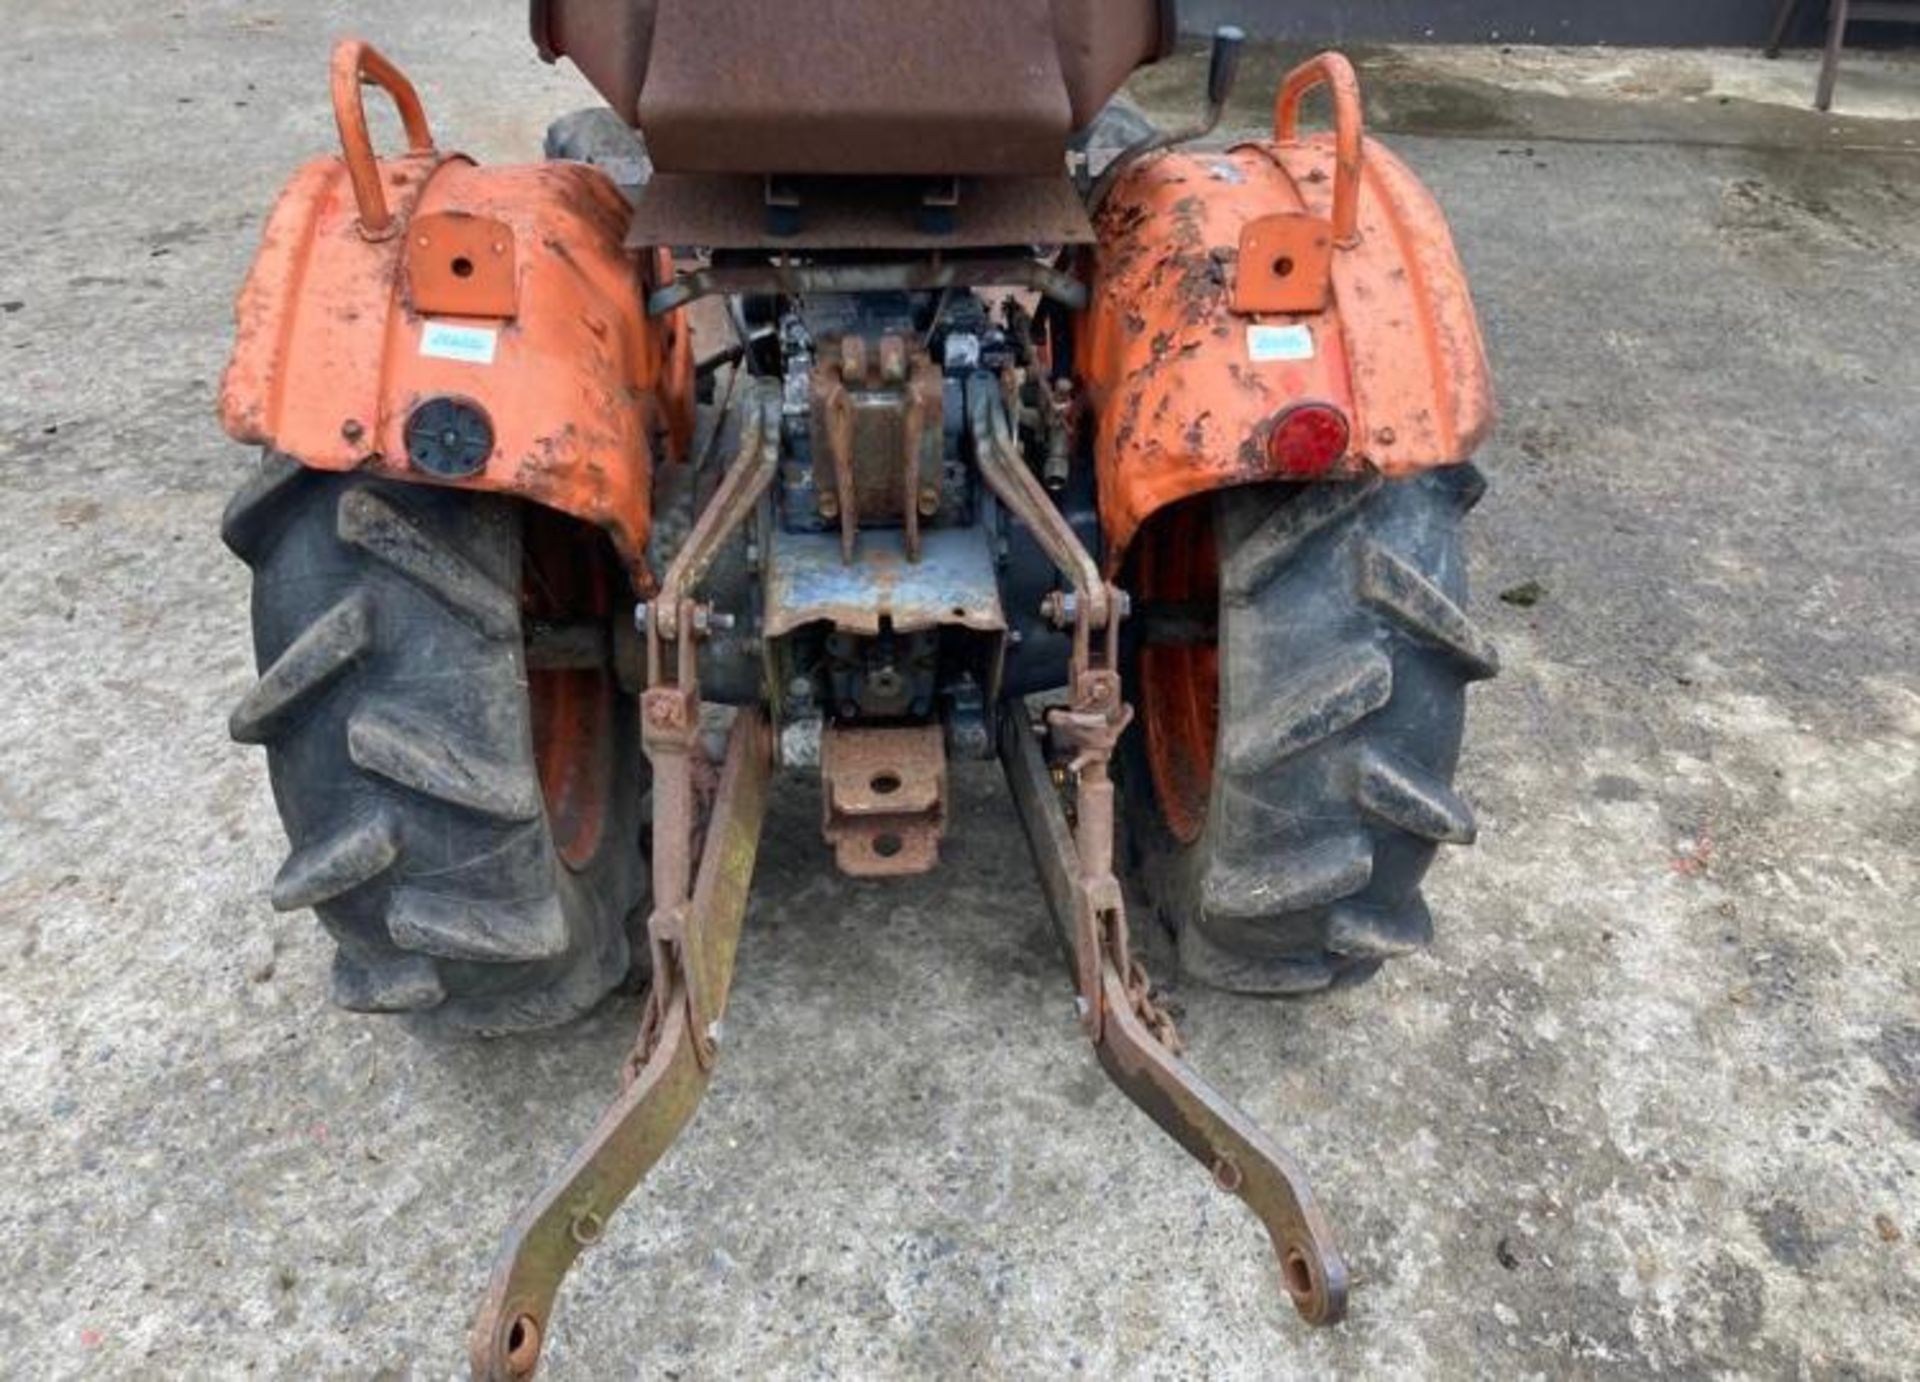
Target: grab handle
(355, 63)
(1334, 72)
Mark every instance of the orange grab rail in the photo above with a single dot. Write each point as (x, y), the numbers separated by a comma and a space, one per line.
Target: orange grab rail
(1334, 72)
(355, 63)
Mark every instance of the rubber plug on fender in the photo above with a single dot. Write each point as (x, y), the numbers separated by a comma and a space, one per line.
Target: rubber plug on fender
(449, 437)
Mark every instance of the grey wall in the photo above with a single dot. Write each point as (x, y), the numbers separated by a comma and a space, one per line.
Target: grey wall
(1732, 23)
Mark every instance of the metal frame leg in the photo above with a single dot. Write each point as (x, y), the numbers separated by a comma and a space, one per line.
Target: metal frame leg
(1782, 18)
(1837, 16)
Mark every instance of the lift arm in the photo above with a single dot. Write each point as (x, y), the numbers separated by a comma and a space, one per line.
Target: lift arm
(571, 1213)
(1136, 1044)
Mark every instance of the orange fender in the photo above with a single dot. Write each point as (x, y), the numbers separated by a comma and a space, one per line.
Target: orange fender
(1228, 287)
(383, 283)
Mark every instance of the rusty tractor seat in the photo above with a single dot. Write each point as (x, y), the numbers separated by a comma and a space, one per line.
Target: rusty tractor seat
(931, 88)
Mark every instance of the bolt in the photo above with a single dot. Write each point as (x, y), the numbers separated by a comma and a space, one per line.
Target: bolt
(929, 502)
(352, 430)
(709, 621)
(1386, 436)
(829, 505)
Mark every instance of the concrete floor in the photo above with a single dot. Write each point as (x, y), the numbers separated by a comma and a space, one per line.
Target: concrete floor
(1650, 1106)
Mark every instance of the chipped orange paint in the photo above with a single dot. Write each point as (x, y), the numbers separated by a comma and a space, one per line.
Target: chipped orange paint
(328, 360)
(1183, 405)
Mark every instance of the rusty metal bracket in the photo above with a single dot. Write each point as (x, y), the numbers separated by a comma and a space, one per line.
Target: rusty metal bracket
(1133, 1039)
(835, 409)
(665, 1086)
(876, 406)
(923, 419)
(883, 798)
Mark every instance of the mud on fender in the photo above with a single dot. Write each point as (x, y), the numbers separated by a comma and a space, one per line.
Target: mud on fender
(1189, 364)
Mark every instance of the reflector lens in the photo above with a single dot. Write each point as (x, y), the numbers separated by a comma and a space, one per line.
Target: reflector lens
(1307, 439)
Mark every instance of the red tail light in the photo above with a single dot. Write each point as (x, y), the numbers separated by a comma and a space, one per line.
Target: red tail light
(1307, 439)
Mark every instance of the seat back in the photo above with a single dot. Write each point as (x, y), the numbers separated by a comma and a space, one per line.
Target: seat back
(876, 87)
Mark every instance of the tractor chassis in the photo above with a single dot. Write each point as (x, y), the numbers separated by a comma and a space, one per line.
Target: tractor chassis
(1058, 769)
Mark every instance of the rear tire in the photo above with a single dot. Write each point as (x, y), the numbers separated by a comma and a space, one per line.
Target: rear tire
(467, 831)
(1118, 127)
(1293, 781)
(598, 137)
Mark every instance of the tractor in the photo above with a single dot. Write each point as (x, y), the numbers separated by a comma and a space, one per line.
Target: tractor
(867, 389)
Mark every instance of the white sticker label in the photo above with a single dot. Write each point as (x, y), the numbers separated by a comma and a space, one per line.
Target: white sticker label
(1269, 343)
(471, 345)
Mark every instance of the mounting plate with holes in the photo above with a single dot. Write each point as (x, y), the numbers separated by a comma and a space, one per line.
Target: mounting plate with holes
(884, 798)
(1285, 264)
(449, 437)
(461, 265)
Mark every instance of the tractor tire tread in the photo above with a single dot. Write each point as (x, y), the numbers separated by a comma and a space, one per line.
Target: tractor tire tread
(411, 751)
(325, 650)
(1397, 590)
(1345, 652)
(335, 865)
(383, 532)
(394, 709)
(1314, 706)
